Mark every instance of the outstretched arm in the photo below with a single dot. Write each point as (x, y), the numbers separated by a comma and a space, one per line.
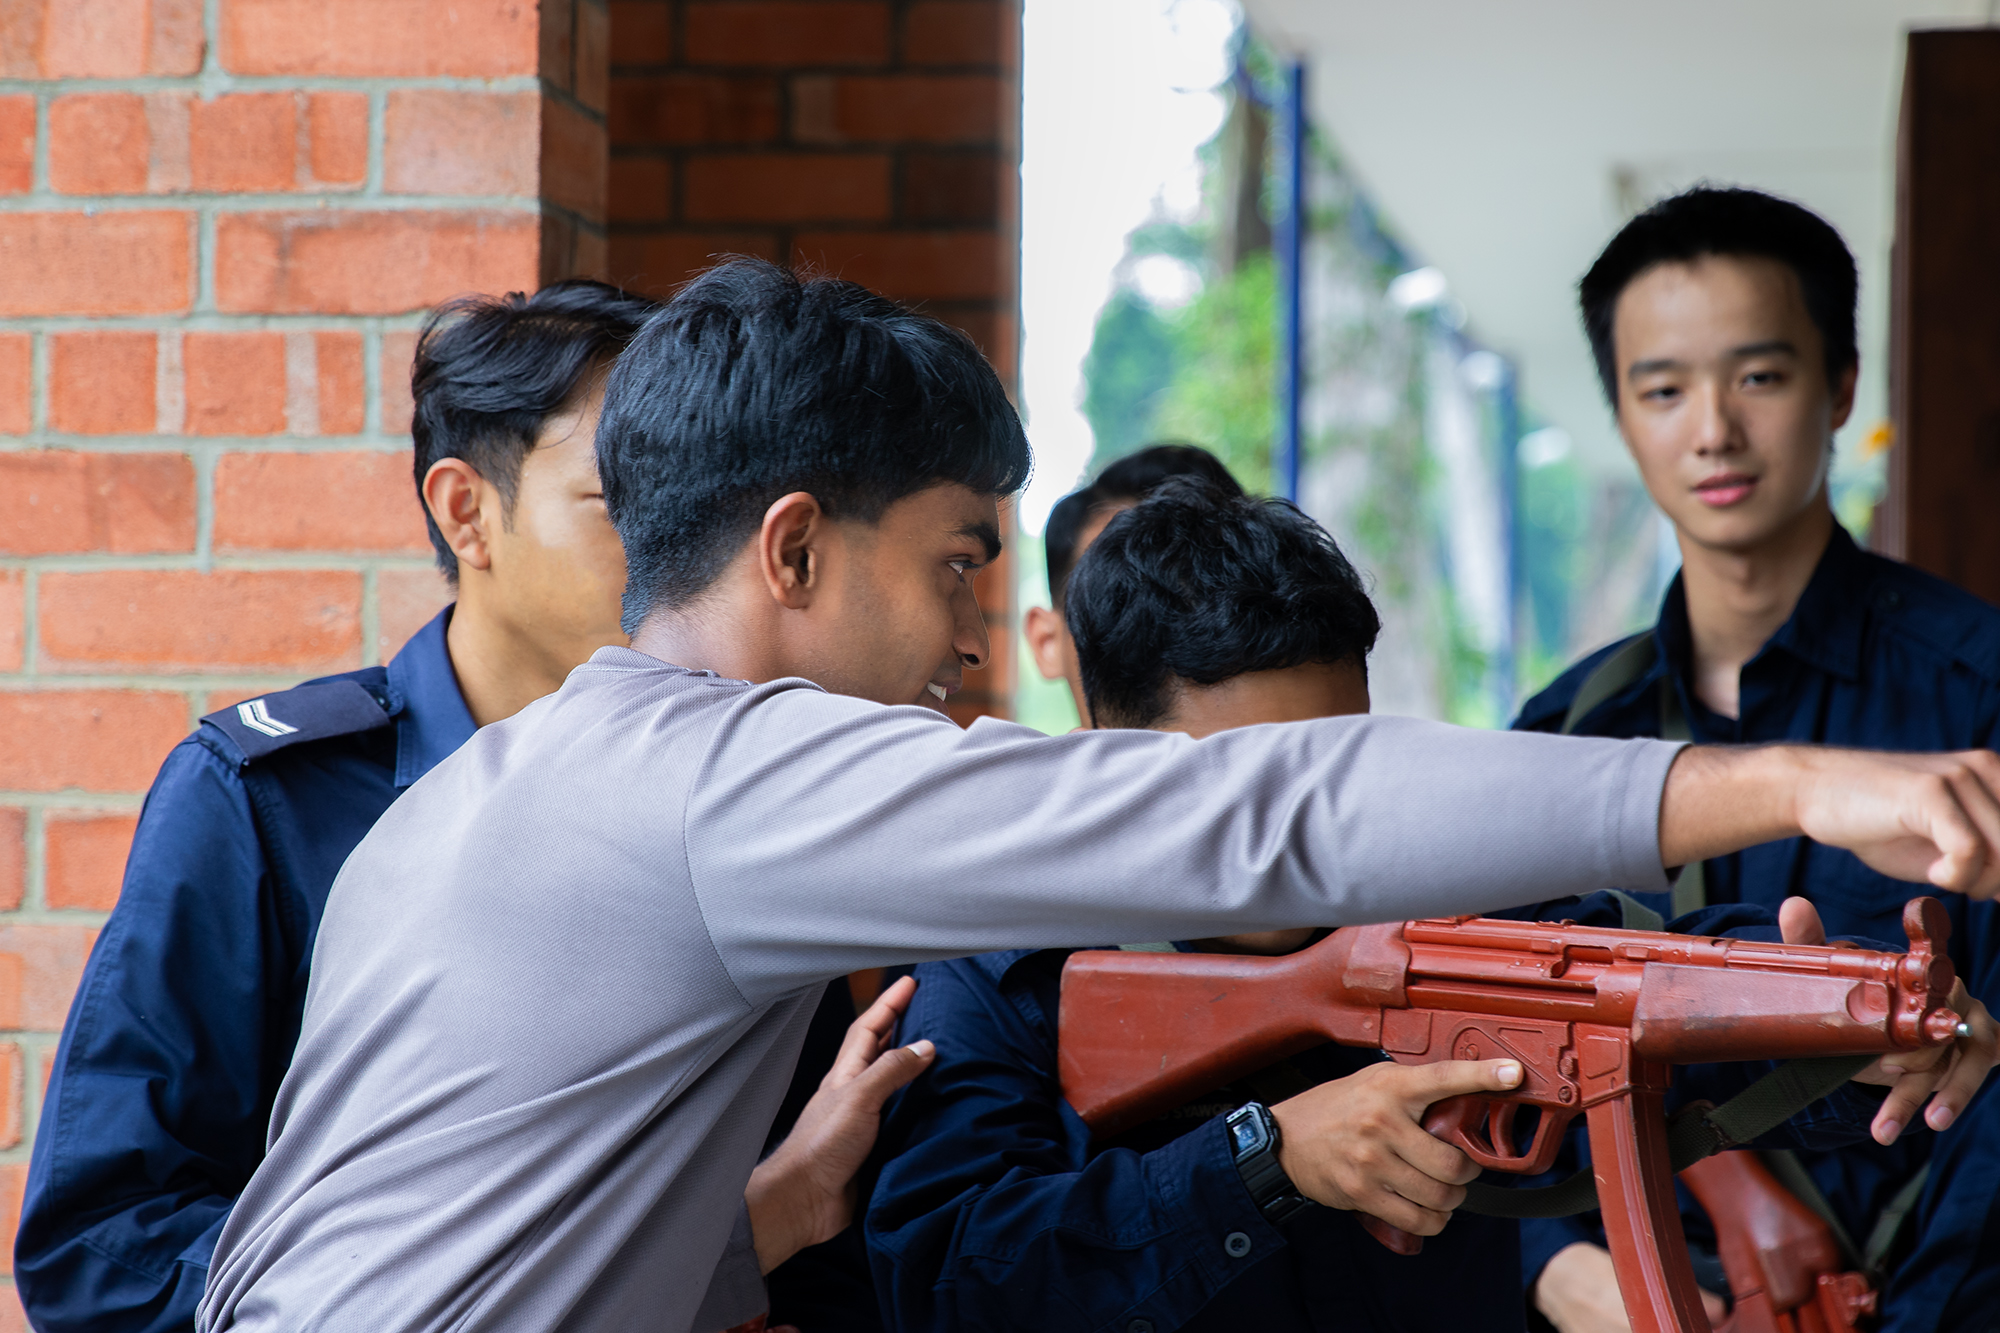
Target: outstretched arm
(1925, 818)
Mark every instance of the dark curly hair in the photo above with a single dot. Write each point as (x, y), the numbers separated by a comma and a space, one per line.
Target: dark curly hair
(1742, 223)
(1126, 481)
(1197, 584)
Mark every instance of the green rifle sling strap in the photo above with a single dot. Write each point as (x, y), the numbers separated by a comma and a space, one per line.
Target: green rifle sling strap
(1895, 1216)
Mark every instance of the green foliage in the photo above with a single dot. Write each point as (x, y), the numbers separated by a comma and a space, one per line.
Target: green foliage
(1131, 363)
(1223, 394)
(1552, 522)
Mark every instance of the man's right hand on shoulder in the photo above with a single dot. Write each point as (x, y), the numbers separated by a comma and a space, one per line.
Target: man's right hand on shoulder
(1925, 818)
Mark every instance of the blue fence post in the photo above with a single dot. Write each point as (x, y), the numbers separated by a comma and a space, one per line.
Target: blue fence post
(1507, 667)
(1291, 254)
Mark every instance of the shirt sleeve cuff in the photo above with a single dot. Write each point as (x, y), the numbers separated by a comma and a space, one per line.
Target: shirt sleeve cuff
(1217, 1224)
(736, 1290)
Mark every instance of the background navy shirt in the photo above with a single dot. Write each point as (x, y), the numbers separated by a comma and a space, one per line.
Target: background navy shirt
(189, 1008)
(1876, 655)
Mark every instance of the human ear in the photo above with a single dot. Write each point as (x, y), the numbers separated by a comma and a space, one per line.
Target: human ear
(1044, 630)
(465, 507)
(1843, 395)
(786, 549)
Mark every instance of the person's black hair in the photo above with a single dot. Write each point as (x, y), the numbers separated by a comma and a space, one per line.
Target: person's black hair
(1736, 223)
(753, 383)
(1127, 480)
(490, 369)
(1197, 584)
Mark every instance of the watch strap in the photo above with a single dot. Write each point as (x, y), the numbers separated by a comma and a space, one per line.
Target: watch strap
(1257, 1162)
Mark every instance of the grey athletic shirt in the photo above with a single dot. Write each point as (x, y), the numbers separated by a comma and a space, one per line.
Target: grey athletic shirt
(560, 988)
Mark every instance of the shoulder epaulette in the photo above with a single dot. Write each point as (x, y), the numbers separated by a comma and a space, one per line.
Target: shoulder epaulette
(271, 722)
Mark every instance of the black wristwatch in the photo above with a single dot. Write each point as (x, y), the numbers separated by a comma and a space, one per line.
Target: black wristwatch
(1253, 1140)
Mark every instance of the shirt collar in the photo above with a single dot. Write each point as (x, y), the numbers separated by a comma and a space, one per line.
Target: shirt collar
(432, 720)
(1825, 627)
(1823, 631)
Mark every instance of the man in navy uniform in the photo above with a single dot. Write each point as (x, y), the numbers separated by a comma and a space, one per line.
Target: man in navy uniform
(186, 1017)
(1723, 326)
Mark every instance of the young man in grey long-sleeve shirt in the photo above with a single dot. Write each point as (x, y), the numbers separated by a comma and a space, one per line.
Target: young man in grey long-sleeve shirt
(506, 1117)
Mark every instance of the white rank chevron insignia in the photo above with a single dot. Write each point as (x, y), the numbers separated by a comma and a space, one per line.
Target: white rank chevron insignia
(258, 718)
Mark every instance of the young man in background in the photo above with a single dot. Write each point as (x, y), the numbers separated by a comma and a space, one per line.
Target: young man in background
(1074, 524)
(183, 1026)
(1196, 612)
(1723, 324)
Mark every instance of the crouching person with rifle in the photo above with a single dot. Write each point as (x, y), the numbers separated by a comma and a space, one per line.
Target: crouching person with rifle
(1237, 1200)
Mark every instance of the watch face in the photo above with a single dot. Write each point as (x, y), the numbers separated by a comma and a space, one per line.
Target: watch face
(1246, 1135)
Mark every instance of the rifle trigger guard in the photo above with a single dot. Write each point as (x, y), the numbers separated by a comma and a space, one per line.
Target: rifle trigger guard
(1483, 1129)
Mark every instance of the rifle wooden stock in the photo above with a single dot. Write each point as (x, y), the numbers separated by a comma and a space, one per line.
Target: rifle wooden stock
(1595, 1017)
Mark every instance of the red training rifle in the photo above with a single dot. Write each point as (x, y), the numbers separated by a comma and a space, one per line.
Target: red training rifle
(1595, 1017)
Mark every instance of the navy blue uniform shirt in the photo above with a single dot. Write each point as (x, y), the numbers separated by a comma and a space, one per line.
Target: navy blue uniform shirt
(1882, 656)
(189, 1009)
(995, 1210)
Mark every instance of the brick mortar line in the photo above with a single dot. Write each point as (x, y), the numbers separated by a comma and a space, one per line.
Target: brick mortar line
(38, 173)
(378, 144)
(211, 321)
(259, 561)
(203, 456)
(772, 228)
(204, 263)
(783, 73)
(897, 149)
(371, 618)
(38, 387)
(31, 1087)
(221, 82)
(35, 856)
(189, 685)
(110, 802)
(303, 201)
(45, 441)
(211, 72)
(51, 916)
(371, 379)
(31, 636)
(578, 221)
(556, 93)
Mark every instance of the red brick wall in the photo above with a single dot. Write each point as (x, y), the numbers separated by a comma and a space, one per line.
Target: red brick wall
(875, 139)
(220, 223)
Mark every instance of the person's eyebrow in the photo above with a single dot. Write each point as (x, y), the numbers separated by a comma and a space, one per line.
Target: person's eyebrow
(985, 534)
(1765, 348)
(1653, 367)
